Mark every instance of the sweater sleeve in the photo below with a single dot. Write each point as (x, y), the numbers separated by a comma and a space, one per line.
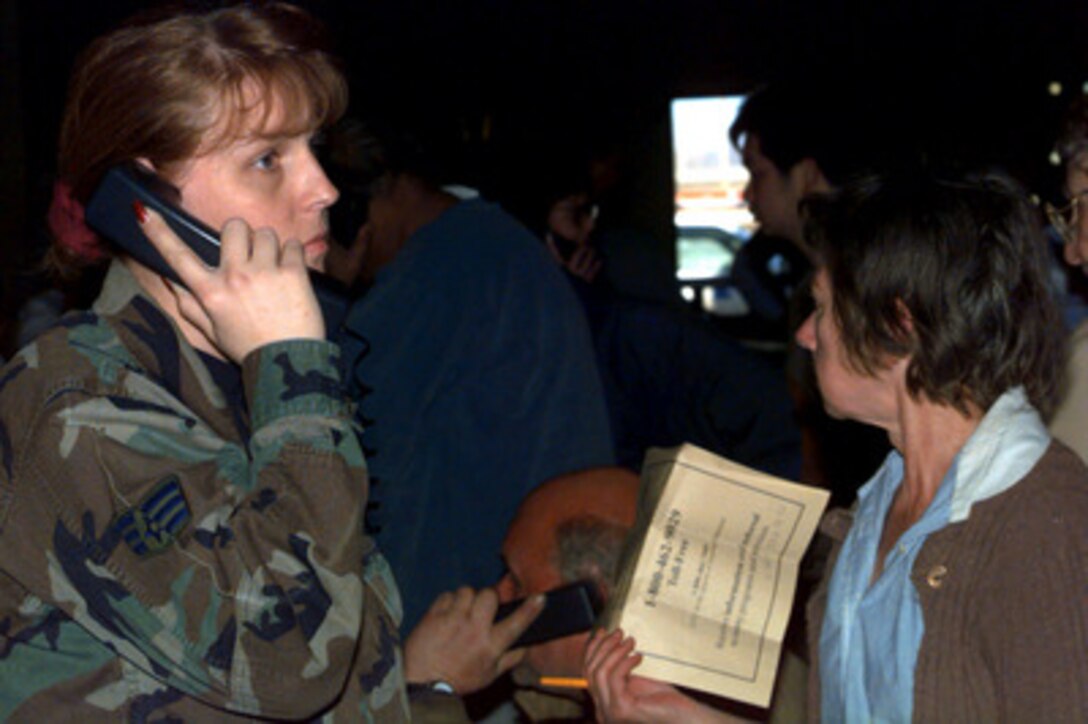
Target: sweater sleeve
(1034, 631)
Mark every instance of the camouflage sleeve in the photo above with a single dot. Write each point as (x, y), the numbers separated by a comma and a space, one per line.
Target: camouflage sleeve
(230, 573)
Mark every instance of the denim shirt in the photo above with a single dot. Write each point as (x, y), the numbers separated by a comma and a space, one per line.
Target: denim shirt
(871, 634)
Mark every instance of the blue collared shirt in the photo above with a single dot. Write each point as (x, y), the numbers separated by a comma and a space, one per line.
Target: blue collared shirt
(871, 633)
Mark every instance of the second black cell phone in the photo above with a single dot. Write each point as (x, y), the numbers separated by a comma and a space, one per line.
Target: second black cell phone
(110, 213)
(569, 610)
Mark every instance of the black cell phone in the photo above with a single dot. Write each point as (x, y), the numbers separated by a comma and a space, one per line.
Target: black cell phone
(569, 610)
(110, 213)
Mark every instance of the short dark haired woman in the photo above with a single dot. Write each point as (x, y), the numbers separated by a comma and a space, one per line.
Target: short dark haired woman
(956, 590)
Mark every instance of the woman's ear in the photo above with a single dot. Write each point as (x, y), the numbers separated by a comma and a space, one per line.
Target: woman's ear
(813, 180)
(904, 325)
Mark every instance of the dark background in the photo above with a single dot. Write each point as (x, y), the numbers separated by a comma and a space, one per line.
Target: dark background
(506, 78)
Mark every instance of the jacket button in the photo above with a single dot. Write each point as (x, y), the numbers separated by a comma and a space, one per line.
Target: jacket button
(936, 575)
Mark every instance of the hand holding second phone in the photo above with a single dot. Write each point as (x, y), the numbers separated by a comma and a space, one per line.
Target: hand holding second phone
(457, 641)
(258, 294)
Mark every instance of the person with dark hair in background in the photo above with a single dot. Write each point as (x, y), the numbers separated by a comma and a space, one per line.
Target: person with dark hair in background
(473, 368)
(571, 192)
(570, 219)
(786, 139)
(956, 585)
(794, 140)
(1070, 420)
(669, 376)
(551, 192)
(797, 140)
(183, 489)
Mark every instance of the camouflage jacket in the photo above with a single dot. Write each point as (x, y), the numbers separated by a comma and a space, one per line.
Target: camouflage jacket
(158, 561)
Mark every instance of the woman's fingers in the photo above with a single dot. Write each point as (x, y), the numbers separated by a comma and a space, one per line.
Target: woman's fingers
(191, 310)
(609, 663)
(256, 296)
(293, 256)
(600, 646)
(597, 653)
(178, 256)
(265, 250)
(625, 666)
(614, 656)
(234, 244)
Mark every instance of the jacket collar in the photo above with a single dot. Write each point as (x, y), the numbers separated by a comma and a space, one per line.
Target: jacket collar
(1006, 445)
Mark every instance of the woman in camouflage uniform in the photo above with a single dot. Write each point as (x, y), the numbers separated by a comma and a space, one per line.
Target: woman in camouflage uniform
(182, 487)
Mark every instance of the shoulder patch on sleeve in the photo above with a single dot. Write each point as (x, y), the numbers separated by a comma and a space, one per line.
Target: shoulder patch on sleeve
(153, 525)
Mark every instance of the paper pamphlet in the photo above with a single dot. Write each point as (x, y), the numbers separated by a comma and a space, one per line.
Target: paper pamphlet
(709, 571)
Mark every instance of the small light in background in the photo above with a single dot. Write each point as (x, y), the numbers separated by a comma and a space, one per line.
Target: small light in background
(1055, 159)
(1054, 88)
(1084, 88)
(1035, 200)
(688, 293)
(706, 298)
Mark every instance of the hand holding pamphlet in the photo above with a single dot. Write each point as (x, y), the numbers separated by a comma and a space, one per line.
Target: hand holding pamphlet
(709, 571)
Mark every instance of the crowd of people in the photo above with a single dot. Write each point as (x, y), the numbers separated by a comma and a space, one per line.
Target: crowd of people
(216, 504)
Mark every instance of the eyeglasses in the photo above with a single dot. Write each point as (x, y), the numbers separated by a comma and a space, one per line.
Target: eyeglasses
(1065, 219)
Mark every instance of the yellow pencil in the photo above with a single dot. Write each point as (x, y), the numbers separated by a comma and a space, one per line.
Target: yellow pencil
(563, 682)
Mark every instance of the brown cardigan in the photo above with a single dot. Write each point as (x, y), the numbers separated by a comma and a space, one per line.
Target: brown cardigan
(1004, 598)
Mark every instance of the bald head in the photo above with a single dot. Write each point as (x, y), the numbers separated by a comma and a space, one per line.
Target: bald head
(570, 528)
(608, 494)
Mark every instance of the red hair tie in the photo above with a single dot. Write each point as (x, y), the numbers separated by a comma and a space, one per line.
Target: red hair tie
(70, 228)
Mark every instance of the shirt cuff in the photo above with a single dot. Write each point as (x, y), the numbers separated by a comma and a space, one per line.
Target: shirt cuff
(294, 377)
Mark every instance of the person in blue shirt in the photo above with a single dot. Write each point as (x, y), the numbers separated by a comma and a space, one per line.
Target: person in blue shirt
(474, 371)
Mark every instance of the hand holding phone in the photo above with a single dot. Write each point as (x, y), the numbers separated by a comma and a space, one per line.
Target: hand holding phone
(255, 296)
(568, 610)
(110, 213)
(459, 642)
